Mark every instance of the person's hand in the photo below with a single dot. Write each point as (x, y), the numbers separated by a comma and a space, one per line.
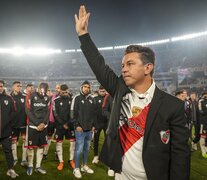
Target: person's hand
(79, 129)
(65, 126)
(41, 127)
(93, 129)
(81, 21)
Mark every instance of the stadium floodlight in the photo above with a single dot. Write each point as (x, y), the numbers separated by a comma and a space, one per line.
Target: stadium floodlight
(120, 47)
(4, 51)
(189, 36)
(17, 51)
(105, 48)
(162, 41)
(42, 51)
(78, 50)
(70, 50)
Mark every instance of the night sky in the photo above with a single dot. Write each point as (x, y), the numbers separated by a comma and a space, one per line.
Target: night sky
(50, 23)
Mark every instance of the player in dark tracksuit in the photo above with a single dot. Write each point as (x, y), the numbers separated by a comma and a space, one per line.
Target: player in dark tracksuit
(7, 114)
(64, 126)
(19, 125)
(84, 116)
(101, 121)
(202, 106)
(37, 110)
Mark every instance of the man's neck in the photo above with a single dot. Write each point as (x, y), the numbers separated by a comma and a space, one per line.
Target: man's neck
(16, 93)
(143, 86)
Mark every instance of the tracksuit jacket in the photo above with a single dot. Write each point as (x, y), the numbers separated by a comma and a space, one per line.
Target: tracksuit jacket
(83, 112)
(21, 117)
(38, 109)
(61, 111)
(101, 121)
(7, 114)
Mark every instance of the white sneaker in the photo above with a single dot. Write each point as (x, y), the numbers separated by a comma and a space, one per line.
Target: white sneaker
(40, 170)
(86, 169)
(77, 173)
(110, 173)
(194, 146)
(12, 173)
(95, 160)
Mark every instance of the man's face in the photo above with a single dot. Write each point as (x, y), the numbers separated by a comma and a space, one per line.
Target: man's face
(181, 96)
(185, 95)
(1, 88)
(30, 89)
(17, 87)
(134, 70)
(57, 89)
(86, 89)
(64, 93)
(193, 97)
(102, 92)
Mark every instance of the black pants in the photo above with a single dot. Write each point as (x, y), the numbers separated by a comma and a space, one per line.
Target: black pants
(6, 146)
(96, 138)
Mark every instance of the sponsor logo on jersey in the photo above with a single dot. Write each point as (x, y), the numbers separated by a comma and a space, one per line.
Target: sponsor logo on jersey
(39, 105)
(35, 97)
(22, 100)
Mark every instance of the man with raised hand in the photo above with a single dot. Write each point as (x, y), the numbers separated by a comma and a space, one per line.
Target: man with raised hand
(152, 141)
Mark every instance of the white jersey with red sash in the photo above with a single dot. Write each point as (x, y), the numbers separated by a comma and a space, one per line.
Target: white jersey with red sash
(132, 122)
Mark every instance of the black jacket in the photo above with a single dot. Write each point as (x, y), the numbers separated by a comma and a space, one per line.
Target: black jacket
(83, 112)
(161, 161)
(7, 114)
(100, 120)
(38, 109)
(21, 117)
(61, 111)
(107, 106)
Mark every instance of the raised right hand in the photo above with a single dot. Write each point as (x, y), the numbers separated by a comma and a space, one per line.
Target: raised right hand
(82, 21)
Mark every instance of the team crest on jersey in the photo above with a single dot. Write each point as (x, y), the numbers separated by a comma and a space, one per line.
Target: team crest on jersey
(82, 101)
(90, 101)
(35, 97)
(61, 103)
(136, 111)
(6, 102)
(99, 101)
(69, 102)
(165, 136)
(45, 98)
(22, 100)
(30, 142)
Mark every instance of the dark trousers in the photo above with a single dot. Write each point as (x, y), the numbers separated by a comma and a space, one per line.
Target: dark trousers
(6, 146)
(96, 138)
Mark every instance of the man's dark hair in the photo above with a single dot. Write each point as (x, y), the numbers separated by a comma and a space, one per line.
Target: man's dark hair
(101, 87)
(204, 93)
(63, 87)
(2, 82)
(44, 85)
(29, 85)
(178, 92)
(147, 54)
(16, 82)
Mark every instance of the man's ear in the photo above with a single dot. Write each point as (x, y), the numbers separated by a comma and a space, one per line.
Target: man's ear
(148, 68)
